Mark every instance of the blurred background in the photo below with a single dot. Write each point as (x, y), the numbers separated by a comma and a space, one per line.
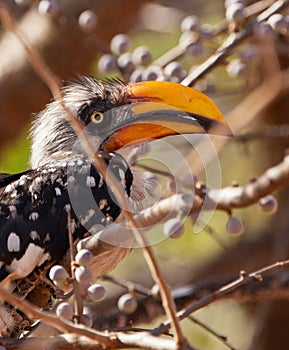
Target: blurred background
(80, 37)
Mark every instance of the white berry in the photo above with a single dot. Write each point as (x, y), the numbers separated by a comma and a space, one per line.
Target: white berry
(136, 75)
(120, 43)
(174, 69)
(142, 56)
(269, 204)
(235, 226)
(127, 304)
(83, 275)
(236, 12)
(58, 274)
(152, 73)
(125, 63)
(96, 292)
(190, 23)
(84, 257)
(87, 20)
(107, 64)
(50, 7)
(64, 310)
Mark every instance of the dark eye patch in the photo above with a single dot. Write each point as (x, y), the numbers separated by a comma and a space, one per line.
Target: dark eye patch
(87, 109)
(84, 113)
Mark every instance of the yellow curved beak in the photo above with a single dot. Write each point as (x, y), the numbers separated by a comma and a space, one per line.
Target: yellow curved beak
(161, 109)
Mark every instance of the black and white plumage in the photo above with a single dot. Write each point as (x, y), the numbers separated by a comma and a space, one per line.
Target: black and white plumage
(33, 204)
(33, 217)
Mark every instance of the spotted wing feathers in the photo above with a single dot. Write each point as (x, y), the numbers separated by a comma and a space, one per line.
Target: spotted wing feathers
(33, 210)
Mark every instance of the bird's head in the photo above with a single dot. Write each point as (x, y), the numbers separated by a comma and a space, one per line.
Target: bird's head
(116, 115)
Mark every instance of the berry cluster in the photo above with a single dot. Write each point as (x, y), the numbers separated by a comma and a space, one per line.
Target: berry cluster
(276, 28)
(132, 65)
(91, 292)
(196, 41)
(137, 65)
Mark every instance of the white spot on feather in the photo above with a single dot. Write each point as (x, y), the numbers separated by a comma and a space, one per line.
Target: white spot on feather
(38, 180)
(57, 191)
(24, 266)
(34, 235)
(9, 188)
(13, 195)
(13, 242)
(102, 203)
(90, 181)
(13, 211)
(22, 180)
(33, 216)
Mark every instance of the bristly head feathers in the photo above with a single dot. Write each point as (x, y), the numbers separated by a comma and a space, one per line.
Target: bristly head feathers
(51, 134)
(87, 88)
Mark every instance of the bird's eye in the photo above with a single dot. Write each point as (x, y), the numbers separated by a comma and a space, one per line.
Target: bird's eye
(97, 117)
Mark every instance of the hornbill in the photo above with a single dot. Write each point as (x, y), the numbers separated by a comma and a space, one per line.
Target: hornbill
(116, 117)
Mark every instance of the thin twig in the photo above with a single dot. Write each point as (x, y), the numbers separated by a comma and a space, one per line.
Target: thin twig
(223, 291)
(221, 338)
(127, 285)
(78, 300)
